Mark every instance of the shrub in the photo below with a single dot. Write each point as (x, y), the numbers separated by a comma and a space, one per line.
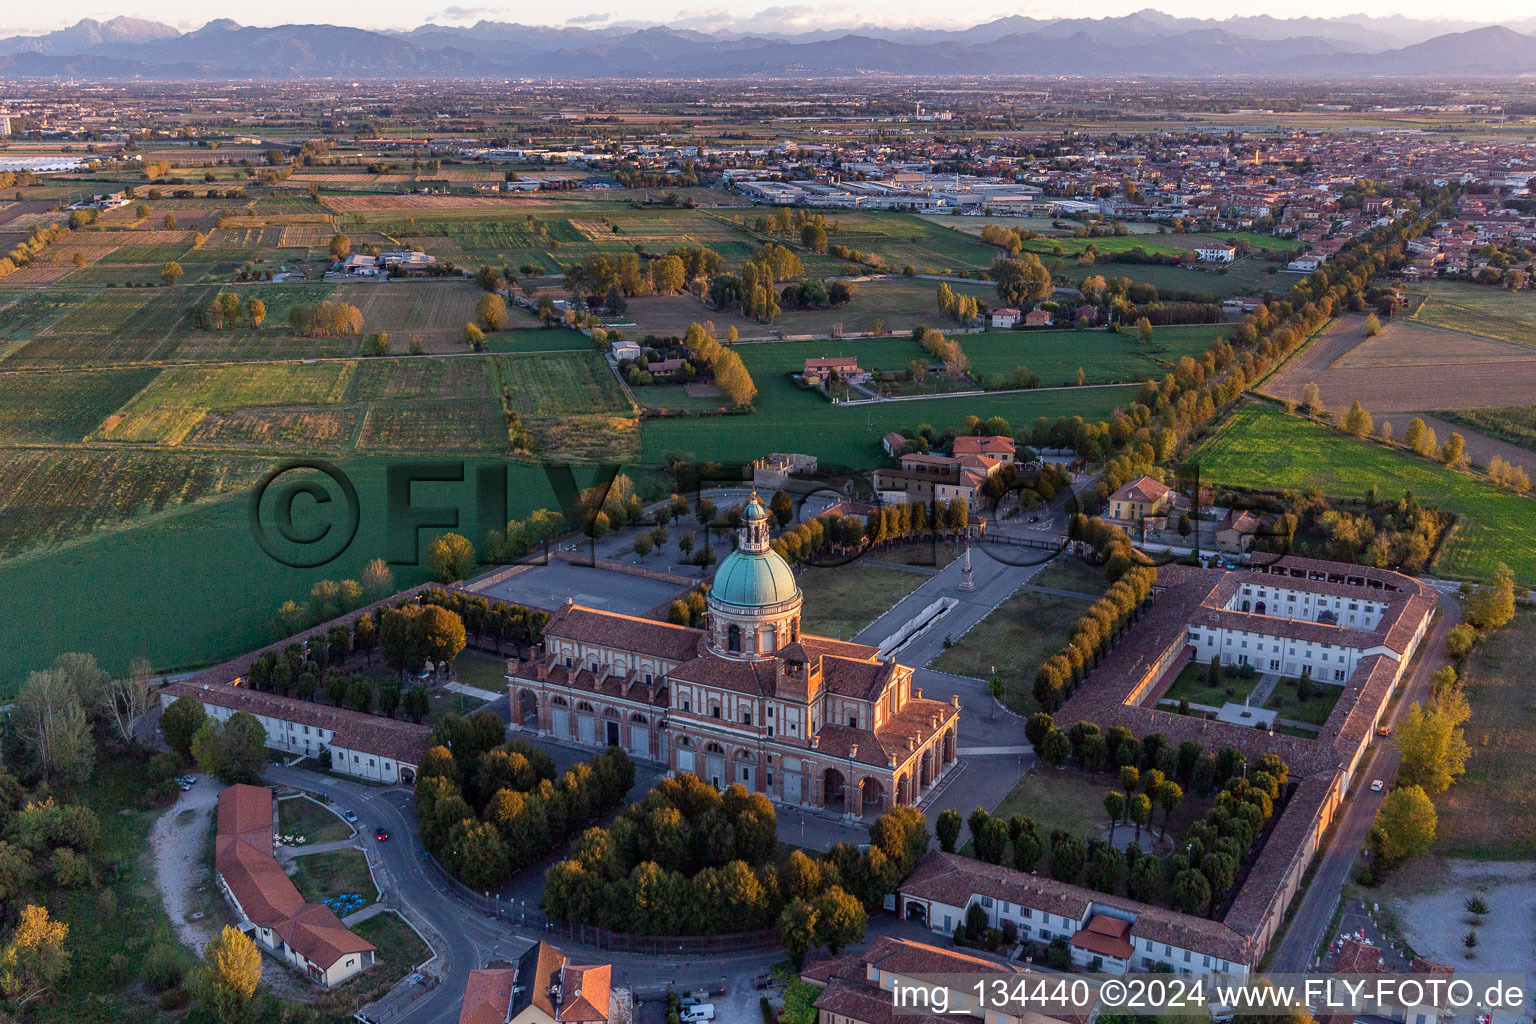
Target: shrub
(163, 967)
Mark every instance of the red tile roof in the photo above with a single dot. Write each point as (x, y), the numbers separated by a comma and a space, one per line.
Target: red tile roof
(243, 858)
(402, 741)
(1105, 935)
(487, 996)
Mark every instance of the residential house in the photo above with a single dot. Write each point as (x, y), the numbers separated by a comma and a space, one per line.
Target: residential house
(1005, 317)
(823, 369)
(894, 444)
(1141, 499)
(545, 987)
(1038, 318)
(1216, 252)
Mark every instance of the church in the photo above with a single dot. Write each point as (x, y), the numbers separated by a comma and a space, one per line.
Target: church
(807, 720)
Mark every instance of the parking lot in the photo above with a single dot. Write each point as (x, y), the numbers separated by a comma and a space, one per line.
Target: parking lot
(548, 587)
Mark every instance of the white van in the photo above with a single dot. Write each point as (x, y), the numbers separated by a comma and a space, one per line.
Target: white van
(696, 1014)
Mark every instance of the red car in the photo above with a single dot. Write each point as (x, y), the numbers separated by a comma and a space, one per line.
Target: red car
(380, 834)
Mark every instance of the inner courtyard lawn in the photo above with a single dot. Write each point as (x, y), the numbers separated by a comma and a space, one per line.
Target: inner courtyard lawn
(1012, 641)
(315, 823)
(840, 600)
(319, 876)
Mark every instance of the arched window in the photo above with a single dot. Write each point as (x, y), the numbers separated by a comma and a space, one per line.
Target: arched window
(733, 638)
(794, 630)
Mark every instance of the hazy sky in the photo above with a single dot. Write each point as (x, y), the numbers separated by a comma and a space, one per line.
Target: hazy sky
(188, 14)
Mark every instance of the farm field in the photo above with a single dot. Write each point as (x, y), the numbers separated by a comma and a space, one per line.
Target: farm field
(48, 496)
(536, 340)
(897, 302)
(1261, 447)
(166, 410)
(1479, 309)
(139, 579)
(903, 239)
(436, 311)
(1244, 277)
(1514, 423)
(1407, 367)
(1487, 814)
(1105, 358)
(37, 408)
(787, 420)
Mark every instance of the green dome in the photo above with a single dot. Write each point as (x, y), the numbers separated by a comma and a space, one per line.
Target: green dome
(748, 579)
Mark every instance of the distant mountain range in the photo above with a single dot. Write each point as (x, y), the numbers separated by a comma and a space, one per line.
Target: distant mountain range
(1145, 43)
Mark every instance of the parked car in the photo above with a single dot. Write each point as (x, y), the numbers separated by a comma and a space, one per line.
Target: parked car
(351, 818)
(1377, 786)
(695, 1014)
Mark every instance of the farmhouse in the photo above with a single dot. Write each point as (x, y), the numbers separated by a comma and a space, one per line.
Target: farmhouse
(1005, 317)
(271, 912)
(845, 367)
(1216, 252)
(365, 746)
(543, 987)
(1038, 318)
(746, 699)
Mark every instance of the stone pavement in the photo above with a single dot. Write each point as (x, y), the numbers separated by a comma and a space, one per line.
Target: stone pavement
(1292, 722)
(474, 691)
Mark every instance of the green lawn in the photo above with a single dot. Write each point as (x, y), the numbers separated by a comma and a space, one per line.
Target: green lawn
(1066, 799)
(1067, 573)
(1315, 709)
(315, 823)
(400, 948)
(1013, 641)
(929, 554)
(319, 876)
(537, 340)
(787, 420)
(205, 557)
(1056, 356)
(841, 600)
(1488, 813)
(1261, 447)
(481, 669)
(1193, 686)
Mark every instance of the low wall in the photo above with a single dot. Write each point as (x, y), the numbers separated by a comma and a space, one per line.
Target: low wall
(660, 575)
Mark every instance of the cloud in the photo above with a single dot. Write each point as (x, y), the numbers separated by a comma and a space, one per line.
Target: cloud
(596, 18)
(789, 19)
(458, 13)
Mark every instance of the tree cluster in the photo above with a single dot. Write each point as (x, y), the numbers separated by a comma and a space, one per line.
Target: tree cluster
(325, 319)
(488, 808)
(689, 860)
(1101, 624)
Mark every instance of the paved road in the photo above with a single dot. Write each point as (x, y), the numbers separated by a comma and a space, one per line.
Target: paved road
(1309, 926)
(465, 939)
